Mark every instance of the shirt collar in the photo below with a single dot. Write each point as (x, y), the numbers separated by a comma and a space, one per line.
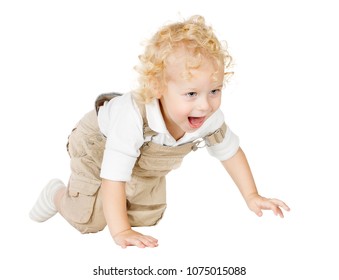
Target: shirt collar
(154, 117)
(156, 123)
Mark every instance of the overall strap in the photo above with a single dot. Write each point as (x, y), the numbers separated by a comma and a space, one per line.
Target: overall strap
(216, 137)
(211, 139)
(102, 98)
(147, 130)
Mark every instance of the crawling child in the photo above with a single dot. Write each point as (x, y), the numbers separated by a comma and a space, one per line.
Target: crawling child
(122, 150)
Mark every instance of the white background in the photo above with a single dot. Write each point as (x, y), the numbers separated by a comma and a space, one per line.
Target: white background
(57, 56)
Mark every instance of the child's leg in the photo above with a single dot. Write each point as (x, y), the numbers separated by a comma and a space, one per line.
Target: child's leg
(58, 197)
(84, 212)
(55, 198)
(45, 207)
(79, 203)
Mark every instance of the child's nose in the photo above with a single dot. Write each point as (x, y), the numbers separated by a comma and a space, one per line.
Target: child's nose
(204, 104)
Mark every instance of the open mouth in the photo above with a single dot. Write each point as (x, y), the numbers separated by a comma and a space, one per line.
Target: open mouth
(196, 122)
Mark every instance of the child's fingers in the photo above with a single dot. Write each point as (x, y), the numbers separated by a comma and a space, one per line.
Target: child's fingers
(151, 240)
(135, 242)
(269, 205)
(258, 212)
(142, 241)
(257, 209)
(275, 205)
(280, 204)
(150, 243)
(278, 212)
(123, 244)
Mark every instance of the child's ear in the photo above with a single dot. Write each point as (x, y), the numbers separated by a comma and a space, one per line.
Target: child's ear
(158, 94)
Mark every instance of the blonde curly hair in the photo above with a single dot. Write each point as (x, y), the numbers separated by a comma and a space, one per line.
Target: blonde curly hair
(195, 36)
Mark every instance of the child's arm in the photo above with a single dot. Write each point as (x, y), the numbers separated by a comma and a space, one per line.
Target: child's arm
(239, 170)
(113, 197)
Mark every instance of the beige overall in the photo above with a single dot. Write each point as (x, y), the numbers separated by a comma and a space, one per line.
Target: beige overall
(145, 193)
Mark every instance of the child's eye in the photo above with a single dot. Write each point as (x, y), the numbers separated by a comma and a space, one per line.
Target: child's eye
(191, 94)
(215, 91)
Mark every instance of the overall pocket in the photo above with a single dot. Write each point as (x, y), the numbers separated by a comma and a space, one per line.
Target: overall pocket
(82, 197)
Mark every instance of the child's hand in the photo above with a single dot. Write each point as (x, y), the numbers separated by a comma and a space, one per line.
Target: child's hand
(256, 203)
(133, 238)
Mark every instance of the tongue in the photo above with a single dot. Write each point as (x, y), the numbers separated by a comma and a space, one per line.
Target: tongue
(196, 121)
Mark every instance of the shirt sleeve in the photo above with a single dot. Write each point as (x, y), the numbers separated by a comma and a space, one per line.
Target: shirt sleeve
(227, 148)
(230, 144)
(121, 123)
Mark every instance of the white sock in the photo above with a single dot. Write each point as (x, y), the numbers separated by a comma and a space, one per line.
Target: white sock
(44, 208)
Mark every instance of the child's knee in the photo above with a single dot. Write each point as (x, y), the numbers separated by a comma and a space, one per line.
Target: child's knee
(92, 228)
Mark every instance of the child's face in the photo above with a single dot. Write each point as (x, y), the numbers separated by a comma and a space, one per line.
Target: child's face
(189, 102)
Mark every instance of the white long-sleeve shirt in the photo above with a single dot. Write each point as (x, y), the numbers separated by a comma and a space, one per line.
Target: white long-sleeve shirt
(121, 122)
